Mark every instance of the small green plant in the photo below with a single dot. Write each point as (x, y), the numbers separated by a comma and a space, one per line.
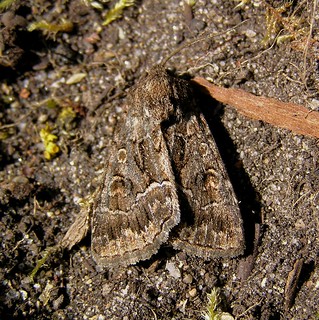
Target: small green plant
(42, 261)
(279, 21)
(117, 10)
(5, 4)
(191, 3)
(114, 13)
(213, 308)
(66, 118)
(48, 139)
(54, 28)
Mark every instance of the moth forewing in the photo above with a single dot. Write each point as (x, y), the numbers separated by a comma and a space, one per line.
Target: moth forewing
(138, 203)
(211, 223)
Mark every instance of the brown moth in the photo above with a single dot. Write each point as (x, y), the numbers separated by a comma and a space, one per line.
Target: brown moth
(164, 175)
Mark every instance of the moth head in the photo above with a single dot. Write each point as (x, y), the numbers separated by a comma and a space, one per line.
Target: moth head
(160, 92)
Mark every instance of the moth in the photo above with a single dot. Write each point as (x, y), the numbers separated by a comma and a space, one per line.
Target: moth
(164, 181)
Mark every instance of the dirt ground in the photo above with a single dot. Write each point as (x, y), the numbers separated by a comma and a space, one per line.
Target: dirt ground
(55, 131)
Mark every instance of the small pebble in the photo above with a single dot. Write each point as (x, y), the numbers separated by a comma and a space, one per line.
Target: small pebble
(188, 279)
(173, 270)
(192, 293)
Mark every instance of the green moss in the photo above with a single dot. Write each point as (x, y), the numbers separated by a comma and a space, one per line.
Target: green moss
(4, 135)
(117, 10)
(5, 4)
(48, 139)
(41, 262)
(66, 117)
(282, 26)
(54, 28)
(213, 308)
(191, 3)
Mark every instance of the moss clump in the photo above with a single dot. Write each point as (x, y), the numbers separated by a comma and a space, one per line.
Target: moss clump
(49, 139)
(117, 10)
(51, 28)
(5, 4)
(213, 308)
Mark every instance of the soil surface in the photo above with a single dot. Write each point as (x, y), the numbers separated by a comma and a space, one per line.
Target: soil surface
(63, 89)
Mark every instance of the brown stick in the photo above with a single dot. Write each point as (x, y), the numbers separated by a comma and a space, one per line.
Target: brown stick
(292, 284)
(281, 114)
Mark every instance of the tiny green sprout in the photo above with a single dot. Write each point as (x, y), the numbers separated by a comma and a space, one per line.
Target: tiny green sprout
(41, 262)
(274, 21)
(5, 4)
(4, 135)
(117, 10)
(48, 139)
(46, 27)
(66, 117)
(284, 38)
(191, 3)
(213, 309)
(282, 27)
(51, 103)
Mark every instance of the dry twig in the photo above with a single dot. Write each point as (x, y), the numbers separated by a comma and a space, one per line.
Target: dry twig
(281, 114)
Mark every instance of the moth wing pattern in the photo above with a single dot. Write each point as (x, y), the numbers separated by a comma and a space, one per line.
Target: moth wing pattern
(137, 205)
(211, 223)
